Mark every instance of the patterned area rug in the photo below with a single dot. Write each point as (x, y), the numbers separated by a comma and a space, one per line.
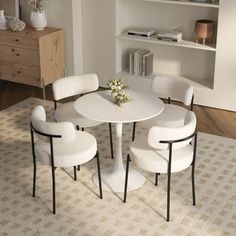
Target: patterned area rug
(81, 212)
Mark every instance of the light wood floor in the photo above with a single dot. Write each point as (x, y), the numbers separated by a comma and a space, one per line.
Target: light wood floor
(213, 121)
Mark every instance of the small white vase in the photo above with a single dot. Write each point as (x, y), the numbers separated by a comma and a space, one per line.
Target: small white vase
(3, 22)
(38, 20)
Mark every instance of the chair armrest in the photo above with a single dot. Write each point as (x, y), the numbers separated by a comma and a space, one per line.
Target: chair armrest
(178, 140)
(44, 134)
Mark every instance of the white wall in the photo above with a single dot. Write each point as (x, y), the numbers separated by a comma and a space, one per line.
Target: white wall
(59, 14)
(89, 34)
(65, 14)
(99, 38)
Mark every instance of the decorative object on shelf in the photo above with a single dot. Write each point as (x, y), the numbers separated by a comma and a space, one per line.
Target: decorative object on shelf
(3, 22)
(169, 35)
(38, 16)
(204, 30)
(141, 32)
(16, 25)
(118, 97)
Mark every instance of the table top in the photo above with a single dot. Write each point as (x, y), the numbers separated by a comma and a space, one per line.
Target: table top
(98, 106)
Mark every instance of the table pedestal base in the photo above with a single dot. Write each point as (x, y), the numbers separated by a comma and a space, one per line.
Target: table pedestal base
(115, 181)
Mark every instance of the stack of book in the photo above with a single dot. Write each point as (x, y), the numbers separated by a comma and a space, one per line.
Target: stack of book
(141, 62)
(168, 35)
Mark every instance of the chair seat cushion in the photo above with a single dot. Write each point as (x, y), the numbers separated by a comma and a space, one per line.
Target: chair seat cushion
(81, 150)
(66, 112)
(150, 159)
(172, 116)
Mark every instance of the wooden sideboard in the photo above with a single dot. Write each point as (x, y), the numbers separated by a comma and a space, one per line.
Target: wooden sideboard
(32, 57)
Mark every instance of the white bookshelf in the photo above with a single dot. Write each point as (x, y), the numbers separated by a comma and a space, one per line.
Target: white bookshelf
(186, 59)
(210, 69)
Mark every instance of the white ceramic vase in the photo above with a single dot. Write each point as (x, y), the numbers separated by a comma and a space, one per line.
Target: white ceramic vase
(38, 20)
(3, 22)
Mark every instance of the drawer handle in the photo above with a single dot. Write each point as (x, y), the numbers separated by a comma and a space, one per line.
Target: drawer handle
(18, 72)
(17, 54)
(12, 49)
(16, 40)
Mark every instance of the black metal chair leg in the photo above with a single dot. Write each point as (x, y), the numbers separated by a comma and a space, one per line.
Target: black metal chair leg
(133, 134)
(82, 129)
(78, 167)
(193, 169)
(34, 178)
(99, 175)
(53, 191)
(168, 199)
(126, 177)
(111, 142)
(34, 162)
(156, 179)
(75, 173)
(193, 187)
(168, 183)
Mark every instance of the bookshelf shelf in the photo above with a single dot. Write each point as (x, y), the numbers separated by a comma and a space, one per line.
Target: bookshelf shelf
(186, 3)
(182, 43)
(202, 84)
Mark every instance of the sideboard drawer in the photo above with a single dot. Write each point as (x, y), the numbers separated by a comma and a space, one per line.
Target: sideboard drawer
(19, 69)
(20, 73)
(21, 78)
(17, 41)
(19, 55)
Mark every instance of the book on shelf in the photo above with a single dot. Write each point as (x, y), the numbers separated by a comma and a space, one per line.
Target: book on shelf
(140, 62)
(137, 61)
(169, 39)
(141, 32)
(141, 56)
(169, 35)
(147, 64)
(131, 63)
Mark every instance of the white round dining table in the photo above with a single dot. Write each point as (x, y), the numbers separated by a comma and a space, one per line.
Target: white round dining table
(99, 106)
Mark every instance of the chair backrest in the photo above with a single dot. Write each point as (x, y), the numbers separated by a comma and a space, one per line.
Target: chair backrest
(65, 129)
(157, 134)
(175, 89)
(74, 85)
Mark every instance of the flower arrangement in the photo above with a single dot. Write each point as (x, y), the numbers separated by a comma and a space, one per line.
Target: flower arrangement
(36, 5)
(122, 98)
(116, 87)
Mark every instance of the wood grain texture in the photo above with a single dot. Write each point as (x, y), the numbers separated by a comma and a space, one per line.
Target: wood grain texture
(51, 50)
(210, 120)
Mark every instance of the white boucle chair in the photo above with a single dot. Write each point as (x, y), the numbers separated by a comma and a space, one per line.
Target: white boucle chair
(176, 90)
(60, 145)
(70, 86)
(165, 150)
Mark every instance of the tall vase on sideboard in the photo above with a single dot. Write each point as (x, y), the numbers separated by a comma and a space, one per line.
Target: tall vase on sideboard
(3, 22)
(38, 19)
